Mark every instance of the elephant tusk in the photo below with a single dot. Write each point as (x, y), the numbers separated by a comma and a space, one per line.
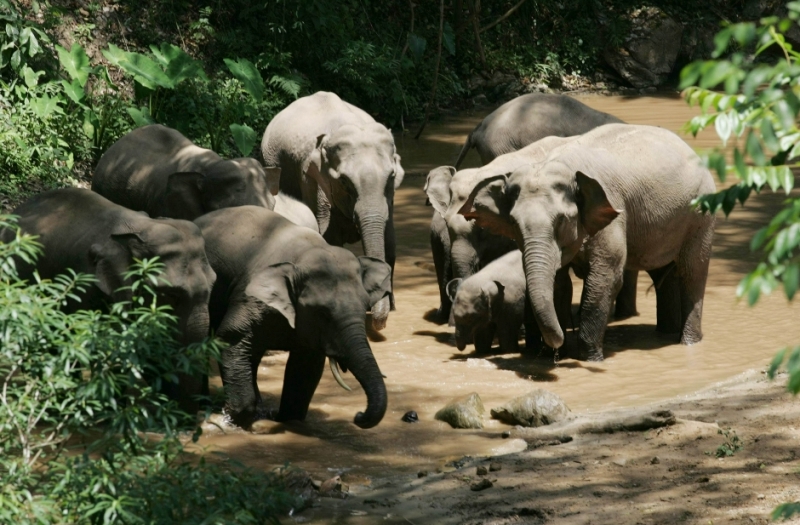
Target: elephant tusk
(337, 374)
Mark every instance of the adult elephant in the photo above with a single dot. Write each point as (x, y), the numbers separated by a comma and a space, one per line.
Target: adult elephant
(617, 198)
(282, 287)
(157, 170)
(85, 232)
(529, 118)
(344, 166)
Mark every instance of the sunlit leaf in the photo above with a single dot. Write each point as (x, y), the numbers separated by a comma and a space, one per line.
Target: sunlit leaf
(248, 75)
(245, 138)
(75, 62)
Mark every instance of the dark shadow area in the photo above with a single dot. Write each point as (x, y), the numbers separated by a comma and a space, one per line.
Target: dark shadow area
(432, 317)
(440, 337)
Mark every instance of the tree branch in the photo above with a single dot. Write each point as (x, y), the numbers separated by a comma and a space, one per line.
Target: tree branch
(508, 13)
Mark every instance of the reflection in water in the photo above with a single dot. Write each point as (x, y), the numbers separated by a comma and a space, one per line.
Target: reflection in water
(424, 370)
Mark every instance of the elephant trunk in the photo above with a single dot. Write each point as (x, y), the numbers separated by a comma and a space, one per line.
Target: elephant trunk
(194, 326)
(358, 359)
(541, 258)
(464, 258)
(371, 220)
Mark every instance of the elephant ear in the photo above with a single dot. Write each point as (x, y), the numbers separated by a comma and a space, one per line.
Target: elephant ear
(112, 258)
(184, 199)
(376, 276)
(489, 204)
(437, 187)
(452, 288)
(273, 175)
(315, 166)
(274, 287)
(595, 210)
(399, 172)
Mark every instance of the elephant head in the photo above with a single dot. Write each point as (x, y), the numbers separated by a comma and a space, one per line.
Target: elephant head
(548, 209)
(323, 297)
(358, 169)
(187, 276)
(472, 309)
(220, 184)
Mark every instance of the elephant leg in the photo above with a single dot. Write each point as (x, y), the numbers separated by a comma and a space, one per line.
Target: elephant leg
(508, 335)
(692, 268)
(625, 306)
(303, 372)
(242, 398)
(562, 298)
(440, 247)
(599, 290)
(483, 338)
(668, 299)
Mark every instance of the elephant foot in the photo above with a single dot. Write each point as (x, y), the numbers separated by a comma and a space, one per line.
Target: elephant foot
(592, 355)
(380, 314)
(624, 312)
(691, 338)
(438, 316)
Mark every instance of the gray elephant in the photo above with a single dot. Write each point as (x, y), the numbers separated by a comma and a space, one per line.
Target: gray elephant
(344, 166)
(282, 287)
(85, 232)
(617, 198)
(295, 211)
(529, 118)
(489, 303)
(157, 170)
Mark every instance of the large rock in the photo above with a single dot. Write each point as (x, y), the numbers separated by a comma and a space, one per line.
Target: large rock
(534, 409)
(649, 52)
(466, 412)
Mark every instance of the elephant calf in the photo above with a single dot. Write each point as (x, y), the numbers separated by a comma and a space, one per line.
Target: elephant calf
(83, 231)
(282, 287)
(491, 302)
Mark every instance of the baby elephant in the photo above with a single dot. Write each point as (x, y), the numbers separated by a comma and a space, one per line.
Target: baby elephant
(282, 287)
(491, 301)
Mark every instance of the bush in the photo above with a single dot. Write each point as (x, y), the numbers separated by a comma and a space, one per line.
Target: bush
(86, 436)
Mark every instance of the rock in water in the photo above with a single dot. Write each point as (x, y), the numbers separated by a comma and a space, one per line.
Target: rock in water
(466, 412)
(534, 409)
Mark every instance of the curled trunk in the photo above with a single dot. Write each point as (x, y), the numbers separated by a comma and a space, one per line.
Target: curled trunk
(356, 356)
(542, 259)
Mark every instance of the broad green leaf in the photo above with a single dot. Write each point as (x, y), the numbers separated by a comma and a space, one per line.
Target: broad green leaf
(724, 127)
(89, 124)
(34, 48)
(776, 363)
(753, 147)
(245, 138)
(768, 135)
(744, 33)
(31, 77)
(179, 65)
(738, 161)
(141, 116)
(791, 279)
(449, 38)
(16, 59)
(248, 75)
(144, 70)
(75, 62)
(74, 90)
(416, 44)
(44, 106)
(721, 40)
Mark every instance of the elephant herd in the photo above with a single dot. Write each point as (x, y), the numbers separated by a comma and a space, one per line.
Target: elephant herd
(253, 252)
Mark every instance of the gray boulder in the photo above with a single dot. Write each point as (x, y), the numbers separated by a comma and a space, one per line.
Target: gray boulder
(466, 412)
(534, 409)
(649, 53)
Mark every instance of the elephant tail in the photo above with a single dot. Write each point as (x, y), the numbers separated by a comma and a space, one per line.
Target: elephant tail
(464, 150)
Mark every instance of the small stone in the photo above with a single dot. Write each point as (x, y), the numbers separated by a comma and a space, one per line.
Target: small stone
(483, 484)
(316, 483)
(481, 471)
(655, 461)
(422, 473)
(761, 496)
(410, 417)
(506, 434)
(620, 462)
(494, 467)
(703, 479)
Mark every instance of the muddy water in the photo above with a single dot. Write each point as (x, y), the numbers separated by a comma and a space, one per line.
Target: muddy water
(425, 370)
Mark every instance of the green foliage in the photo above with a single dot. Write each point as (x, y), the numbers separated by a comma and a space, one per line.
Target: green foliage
(731, 444)
(80, 401)
(757, 111)
(785, 511)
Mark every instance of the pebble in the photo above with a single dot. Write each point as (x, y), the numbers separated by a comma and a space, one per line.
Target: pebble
(506, 434)
(494, 467)
(422, 473)
(761, 496)
(620, 462)
(481, 471)
(410, 417)
(655, 461)
(481, 485)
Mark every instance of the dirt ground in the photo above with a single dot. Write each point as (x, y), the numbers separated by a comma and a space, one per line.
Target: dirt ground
(660, 476)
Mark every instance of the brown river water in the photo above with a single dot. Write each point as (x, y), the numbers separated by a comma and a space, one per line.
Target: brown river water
(425, 371)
